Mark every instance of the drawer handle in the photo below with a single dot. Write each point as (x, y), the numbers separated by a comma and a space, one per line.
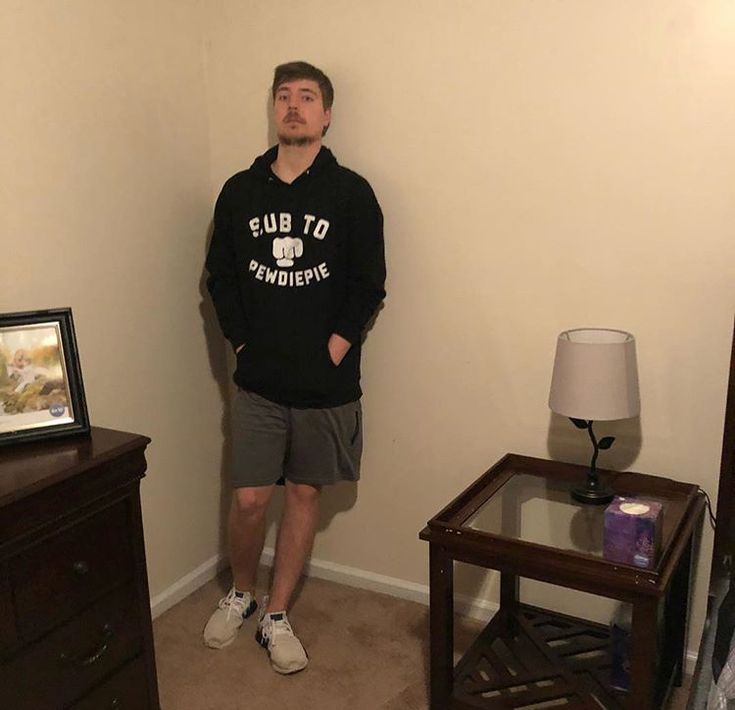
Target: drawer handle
(91, 658)
(81, 567)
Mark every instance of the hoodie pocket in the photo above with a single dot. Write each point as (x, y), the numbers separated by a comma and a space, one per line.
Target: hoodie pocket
(316, 373)
(254, 368)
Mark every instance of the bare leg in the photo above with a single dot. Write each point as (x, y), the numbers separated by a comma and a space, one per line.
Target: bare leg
(246, 533)
(295, 538)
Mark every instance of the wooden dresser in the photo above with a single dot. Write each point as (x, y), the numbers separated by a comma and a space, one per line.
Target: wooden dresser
(75, 623)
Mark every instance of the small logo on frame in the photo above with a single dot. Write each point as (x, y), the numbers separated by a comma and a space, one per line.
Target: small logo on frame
(57, 410)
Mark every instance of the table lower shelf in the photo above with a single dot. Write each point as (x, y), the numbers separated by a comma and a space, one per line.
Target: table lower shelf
(537, 659)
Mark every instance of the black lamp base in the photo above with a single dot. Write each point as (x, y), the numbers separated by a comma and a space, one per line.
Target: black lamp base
(595, 495)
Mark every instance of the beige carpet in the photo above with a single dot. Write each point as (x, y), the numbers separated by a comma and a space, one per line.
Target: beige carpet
(367, 651)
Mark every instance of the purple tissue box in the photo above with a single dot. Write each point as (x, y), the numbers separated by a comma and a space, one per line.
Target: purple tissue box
(633, 531)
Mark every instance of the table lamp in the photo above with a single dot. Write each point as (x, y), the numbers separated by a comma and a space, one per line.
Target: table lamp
(595, 378)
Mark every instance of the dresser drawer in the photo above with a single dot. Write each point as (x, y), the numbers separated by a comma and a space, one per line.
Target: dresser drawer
(59, 669)
(126, 690)
(63, 574)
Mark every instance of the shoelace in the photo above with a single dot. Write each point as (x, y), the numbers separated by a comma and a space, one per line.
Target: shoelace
(277, 627)
(232, 603)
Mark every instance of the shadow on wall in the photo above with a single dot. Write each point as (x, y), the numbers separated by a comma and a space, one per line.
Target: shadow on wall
(220, 364)
(271, 133)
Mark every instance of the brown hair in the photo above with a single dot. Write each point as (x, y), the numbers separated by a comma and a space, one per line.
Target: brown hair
(291, 71)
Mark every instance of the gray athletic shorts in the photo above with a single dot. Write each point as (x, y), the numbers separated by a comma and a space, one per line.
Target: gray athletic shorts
(314, 446)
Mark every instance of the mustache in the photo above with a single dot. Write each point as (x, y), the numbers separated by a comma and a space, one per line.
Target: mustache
(294, 117)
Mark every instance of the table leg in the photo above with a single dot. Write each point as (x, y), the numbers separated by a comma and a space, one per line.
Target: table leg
(509, 600)
(441, 626)
(508, 591)
(677, 613)
(643, 654)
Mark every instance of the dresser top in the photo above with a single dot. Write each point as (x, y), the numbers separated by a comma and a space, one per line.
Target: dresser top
(28, 468)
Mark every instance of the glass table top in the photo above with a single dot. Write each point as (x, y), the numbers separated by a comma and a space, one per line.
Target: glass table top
(540, 510)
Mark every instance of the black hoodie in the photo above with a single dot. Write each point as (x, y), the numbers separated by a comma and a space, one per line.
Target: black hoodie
(290, 264)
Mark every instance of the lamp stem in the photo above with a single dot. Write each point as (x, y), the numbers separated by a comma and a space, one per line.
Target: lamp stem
(593, 491)
(593, 464)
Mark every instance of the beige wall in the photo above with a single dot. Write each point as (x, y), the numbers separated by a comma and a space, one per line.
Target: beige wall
(105, 207)
(541, 165)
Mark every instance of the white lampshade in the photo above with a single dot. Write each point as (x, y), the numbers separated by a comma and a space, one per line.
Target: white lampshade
(595, 375)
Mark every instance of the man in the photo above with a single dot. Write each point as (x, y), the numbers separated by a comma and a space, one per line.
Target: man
(296, 271)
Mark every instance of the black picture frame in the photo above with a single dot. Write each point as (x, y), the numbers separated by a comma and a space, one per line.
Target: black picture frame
(41, 388)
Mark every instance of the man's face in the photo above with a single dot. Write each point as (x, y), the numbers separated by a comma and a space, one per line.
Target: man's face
(299, 112)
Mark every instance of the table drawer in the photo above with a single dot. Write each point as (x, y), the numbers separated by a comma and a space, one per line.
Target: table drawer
(63, 574)
(126, 690)
(57, 670)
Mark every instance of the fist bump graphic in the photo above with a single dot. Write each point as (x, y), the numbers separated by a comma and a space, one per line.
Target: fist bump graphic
(286, 249)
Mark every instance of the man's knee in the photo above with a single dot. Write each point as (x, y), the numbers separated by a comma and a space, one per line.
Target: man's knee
(252, 501)
(302, 493)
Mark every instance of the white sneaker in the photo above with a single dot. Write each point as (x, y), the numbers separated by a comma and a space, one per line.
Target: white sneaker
(285, 650)
(223, 625)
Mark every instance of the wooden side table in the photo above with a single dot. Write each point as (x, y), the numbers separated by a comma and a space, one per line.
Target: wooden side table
(530, 655)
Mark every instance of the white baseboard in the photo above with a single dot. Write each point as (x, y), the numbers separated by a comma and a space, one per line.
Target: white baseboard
(393, 586)
(182, 588)
(321, 569)
(480, 609)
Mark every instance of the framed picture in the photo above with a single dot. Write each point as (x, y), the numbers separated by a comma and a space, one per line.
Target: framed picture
(41, 391)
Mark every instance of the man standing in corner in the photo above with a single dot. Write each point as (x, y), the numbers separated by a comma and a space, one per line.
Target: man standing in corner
(296, 271)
